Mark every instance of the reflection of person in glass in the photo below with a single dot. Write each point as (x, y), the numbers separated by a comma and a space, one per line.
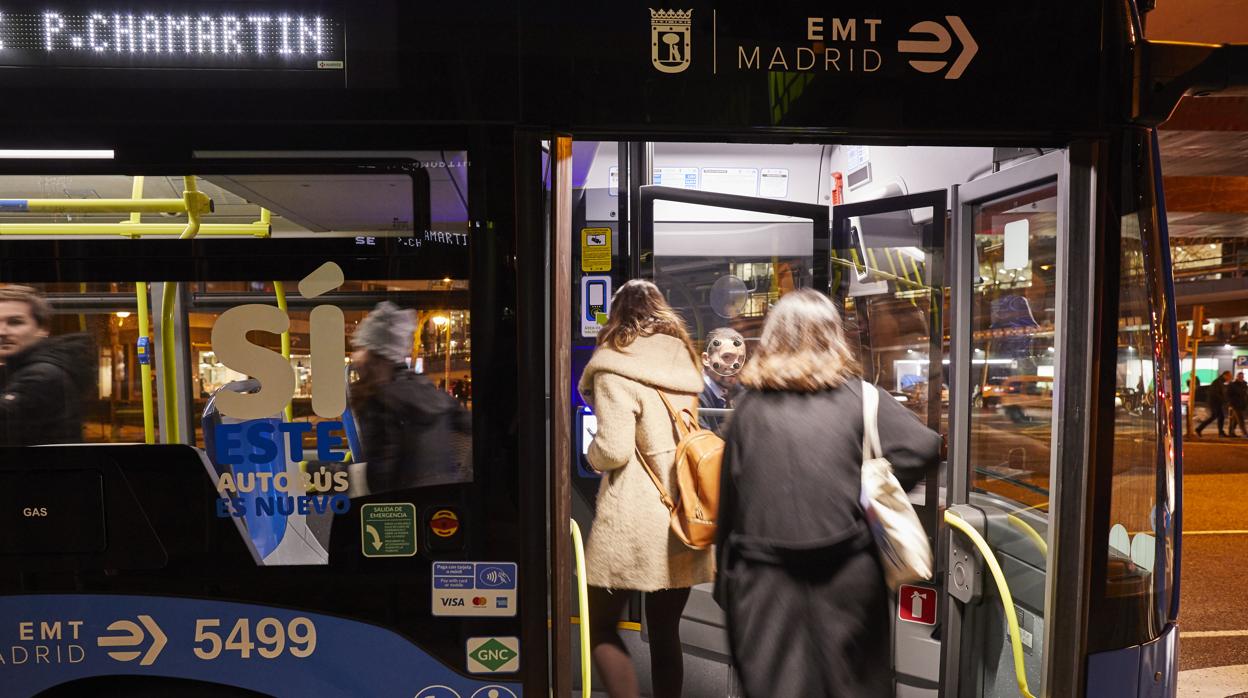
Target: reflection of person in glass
(1217, 404)
(44, 380)
(406, 423)
(1237, 399)
(722, 359)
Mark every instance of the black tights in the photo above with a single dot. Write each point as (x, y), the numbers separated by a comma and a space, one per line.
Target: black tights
(615, 667)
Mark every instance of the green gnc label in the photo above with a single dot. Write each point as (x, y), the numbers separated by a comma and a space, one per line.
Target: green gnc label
(493, 655)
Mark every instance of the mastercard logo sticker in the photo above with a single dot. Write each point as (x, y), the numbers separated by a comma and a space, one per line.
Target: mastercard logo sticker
(445, 523)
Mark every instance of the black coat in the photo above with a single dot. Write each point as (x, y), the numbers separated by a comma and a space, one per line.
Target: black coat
(1217, 393)
(43, 390)
(413, 434)
(1237, 394)
(807, 605)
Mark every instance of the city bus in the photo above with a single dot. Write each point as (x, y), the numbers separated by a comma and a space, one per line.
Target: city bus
(209, 202)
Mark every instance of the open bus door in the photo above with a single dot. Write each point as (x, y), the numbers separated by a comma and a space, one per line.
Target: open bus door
(1000, 332)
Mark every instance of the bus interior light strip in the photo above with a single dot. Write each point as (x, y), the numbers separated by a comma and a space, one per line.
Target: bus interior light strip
(45, 154)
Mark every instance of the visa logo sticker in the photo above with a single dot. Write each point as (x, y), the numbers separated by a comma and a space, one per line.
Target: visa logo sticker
(474, 589)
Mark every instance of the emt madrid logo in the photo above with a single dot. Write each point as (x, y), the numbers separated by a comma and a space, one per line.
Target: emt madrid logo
(670, 39)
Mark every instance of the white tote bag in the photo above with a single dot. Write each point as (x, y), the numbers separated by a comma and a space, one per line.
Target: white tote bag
(904, 551)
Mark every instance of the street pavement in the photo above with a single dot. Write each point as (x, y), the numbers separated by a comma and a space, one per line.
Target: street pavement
(1213, 614)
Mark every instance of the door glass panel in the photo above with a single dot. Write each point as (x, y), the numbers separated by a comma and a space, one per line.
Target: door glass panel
(728, 273)
(1013, 350)
(1012, 377)
(895, 308)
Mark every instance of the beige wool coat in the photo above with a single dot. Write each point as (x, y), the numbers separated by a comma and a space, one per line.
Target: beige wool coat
(631, 545)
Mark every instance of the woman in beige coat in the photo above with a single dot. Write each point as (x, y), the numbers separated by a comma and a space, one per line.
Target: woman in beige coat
(643, 348)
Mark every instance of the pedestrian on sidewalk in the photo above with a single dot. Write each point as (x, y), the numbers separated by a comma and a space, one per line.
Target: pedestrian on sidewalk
(1217, 404)
(1237, 398)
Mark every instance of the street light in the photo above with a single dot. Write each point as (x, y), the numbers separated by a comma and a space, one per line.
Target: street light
(444, 321)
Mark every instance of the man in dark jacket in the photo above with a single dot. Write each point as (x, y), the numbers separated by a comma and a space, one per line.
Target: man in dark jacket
(1217, 404)
(1237, 398)
(722, 360)
(412, 432)
(43, 380)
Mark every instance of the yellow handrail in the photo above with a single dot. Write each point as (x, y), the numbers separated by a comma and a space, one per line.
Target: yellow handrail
(193, 198)
(279, 290)
(880, 273)
(168, 363)
(582, 595)
(135, 230)
(145, 368)
(111, 205)
(1032, 534)
(1007, 600)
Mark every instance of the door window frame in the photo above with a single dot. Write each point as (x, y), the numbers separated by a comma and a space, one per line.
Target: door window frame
(1073, 171)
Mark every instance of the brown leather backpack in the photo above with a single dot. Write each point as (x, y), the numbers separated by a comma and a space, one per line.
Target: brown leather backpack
(699, 453)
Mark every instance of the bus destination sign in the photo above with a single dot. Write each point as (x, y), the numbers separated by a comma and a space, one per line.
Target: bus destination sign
(222, 38)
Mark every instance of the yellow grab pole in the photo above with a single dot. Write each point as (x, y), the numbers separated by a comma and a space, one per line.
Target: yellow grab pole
(104, 206)
(582, 597)
(1003, 589)
(145, 369)
(168, 364)
(279, 289)
(136, 194)
(265, 224)
(193, 202)
(134, 230)
(82, 319)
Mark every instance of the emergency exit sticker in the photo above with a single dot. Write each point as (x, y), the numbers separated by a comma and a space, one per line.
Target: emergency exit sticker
(388, 530)
(595, 249)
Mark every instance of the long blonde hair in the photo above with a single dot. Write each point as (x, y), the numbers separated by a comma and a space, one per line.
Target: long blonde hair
(638, 309)
(803, 347)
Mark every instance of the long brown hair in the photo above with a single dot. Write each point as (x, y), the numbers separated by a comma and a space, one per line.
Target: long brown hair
(638, 309)
(803, 347)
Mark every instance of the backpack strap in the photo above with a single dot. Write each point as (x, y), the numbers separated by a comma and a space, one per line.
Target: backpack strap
(683, 428)
(870, 429)
(663, 495)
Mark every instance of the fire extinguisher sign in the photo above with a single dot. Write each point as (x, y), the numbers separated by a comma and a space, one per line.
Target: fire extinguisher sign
(916, 604)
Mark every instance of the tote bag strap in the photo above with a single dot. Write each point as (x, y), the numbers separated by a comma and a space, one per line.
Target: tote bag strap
(870, 416)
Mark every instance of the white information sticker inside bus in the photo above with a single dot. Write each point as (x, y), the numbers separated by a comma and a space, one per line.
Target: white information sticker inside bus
(774, 183)
(474, 589)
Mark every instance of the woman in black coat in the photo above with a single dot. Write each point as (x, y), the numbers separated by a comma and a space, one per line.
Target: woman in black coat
(799, 578)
